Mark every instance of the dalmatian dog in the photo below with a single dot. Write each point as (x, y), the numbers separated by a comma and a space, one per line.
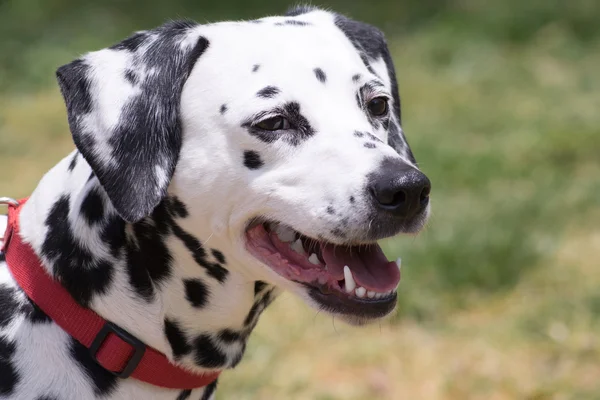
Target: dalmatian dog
(215, 166)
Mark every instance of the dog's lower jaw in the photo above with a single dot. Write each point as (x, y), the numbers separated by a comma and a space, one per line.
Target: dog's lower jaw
(177, 292)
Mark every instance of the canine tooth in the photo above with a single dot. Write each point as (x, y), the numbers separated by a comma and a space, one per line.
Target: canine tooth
(349, 279)
(314, 259)
(370, 294)
(399, 263)
(297, 247)
(360, 292)
(378, 295)
(285, 233)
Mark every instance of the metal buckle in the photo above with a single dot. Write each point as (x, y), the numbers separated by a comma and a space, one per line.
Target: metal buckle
(9, 201)
(138, 347)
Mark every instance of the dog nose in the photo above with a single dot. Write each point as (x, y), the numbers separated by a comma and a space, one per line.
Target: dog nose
(400, 189)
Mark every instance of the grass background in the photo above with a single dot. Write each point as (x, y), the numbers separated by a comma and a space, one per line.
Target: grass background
(500, 297)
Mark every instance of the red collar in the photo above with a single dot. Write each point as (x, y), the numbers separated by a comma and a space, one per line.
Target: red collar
(111, 346)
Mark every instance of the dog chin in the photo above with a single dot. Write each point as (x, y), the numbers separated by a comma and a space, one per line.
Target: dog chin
(355, 282)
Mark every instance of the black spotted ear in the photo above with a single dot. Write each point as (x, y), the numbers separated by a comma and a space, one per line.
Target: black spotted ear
(371, 44)
(123, 110)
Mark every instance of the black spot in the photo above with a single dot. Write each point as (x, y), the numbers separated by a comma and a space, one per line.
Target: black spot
(196, 292)
(230, 336)
(369, 145)
(258, 306)
(209, 390)
(223, 108)
(268, 92)
(177, 208)
(253, 313)
(82, 274)
(352, 199)
(9, 376)
(301, 131)
(92, 207)
(176, 337)
(355, 78)
(103, 381)
(252, 159)
(220, 257)
(320, 75)
(2, 257)
(113, 234)
(259, 286)
(33, 313)
(185, 394)
(255, 67)
(359, 134)
(148, 258)
(73, 162)
(330, 210)
(215, 270)
(131, 77)
(9, 305)
(207, 354)
(296, 22)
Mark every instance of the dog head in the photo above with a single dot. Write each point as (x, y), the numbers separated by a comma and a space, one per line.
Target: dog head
(281, 135)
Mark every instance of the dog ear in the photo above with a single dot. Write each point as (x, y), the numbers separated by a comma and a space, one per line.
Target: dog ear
(371, 44)
(123, 111)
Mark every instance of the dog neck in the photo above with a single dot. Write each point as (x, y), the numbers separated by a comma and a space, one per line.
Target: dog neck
(160, 280)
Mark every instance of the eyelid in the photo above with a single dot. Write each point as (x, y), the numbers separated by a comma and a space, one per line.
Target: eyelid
(375, 95)
(262, 116)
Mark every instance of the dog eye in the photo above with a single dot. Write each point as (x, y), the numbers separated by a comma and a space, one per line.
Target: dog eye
(378, 106)
(274, 124)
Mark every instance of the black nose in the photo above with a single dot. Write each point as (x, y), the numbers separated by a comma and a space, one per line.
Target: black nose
(399, 188)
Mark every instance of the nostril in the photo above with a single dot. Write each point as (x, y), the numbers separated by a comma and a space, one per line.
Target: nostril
(398, 198)
(424, 197)
(389, 198)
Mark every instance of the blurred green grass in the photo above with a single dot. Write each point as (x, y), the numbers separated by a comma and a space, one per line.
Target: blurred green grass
(501, 105)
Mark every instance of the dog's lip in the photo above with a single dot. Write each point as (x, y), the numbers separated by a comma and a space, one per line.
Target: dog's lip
(350, 305)
(372, 287)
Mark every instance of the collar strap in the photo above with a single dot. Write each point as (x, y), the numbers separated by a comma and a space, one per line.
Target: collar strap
(117, 351)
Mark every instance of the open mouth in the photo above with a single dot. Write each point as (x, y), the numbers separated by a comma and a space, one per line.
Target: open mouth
(357, 280)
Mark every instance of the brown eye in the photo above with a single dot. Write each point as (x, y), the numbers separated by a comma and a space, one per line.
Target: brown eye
(378, 106)
(273, 124)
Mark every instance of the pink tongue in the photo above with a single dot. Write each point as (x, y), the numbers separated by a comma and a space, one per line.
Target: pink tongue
(370, 267)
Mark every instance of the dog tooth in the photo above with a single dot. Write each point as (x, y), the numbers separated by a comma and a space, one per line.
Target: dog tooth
(399, 263)
(378, 295)
(314, 259)
(349, 279)
(297, 247)
(285, 234)
(360, 292)
(370, 294)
